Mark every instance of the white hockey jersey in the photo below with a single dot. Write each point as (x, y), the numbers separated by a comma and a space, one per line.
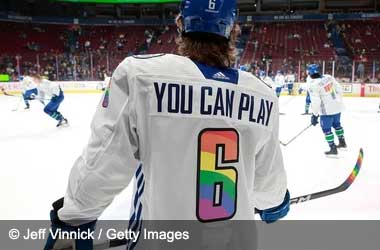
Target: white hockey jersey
(290, 78)
(201, 142)
(48, 88)
(279, 80)
(326, 95)
(28, 84)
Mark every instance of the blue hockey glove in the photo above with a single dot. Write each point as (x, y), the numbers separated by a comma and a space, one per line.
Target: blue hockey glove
(271, 215)
(314, 120)
(86, 230)
(299, 91)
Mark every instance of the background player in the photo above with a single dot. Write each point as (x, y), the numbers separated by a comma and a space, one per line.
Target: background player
(195, 116)
(243, 68)
(279, 81)
(29, 90)
(290, 78)
(52, 91)
(326, 101)
(307, 100)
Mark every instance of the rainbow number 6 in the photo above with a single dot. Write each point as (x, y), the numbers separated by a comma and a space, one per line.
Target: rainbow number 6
(217, 185)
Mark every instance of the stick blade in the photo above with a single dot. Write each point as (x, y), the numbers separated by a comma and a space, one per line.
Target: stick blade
(345, 185)
(351, 178)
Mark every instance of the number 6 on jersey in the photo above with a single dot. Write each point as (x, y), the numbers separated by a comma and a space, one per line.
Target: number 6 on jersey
(217, 185)
(212, 4)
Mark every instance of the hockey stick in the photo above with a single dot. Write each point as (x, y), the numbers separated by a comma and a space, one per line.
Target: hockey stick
(41, 100)
(11, 95)
(295, 137)
(344, 186)
(6, 93)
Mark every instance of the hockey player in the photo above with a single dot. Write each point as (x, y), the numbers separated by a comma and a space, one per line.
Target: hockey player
(200, 137)
(307, 103)
(307, 100)
(262, 74)
(290, 78)
(51, 90)
(279, 81)
(326, 102)
(29, 90)
(243, 68)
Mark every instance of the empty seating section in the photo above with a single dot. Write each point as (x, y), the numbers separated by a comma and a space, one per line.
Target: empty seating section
(33, 42)
(362, 38)
(165, 43)
(285, 43)
(293, 41)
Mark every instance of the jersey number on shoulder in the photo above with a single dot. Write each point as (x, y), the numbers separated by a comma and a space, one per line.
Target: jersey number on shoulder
(216, 184)
(212, 4)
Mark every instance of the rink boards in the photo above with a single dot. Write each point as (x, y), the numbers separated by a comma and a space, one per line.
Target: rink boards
(349, 89)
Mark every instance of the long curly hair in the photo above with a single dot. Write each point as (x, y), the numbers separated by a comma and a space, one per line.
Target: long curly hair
(208, 48)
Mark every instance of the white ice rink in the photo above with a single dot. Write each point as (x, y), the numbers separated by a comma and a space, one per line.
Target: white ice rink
(36, 158)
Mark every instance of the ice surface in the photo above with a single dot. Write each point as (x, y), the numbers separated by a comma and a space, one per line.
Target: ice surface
(36, 158)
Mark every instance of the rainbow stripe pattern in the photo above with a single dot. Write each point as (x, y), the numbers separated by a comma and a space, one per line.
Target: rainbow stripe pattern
(216, 191)
(354, 172)
(106, 98)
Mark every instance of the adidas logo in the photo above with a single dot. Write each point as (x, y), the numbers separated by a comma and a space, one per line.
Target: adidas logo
(220, 75)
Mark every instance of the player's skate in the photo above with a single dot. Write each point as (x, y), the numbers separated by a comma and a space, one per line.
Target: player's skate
(306, 113)
(342, 144)
(62, 122)
(333, 151)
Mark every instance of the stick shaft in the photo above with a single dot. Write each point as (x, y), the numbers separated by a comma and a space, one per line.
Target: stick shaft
(296, 136)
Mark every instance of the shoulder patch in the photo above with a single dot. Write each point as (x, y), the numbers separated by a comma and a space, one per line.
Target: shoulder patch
(148, 56)
(224, 75)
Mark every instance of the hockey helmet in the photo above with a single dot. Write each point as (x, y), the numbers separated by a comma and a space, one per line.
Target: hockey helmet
(243, 68)
(212, 16)
(313, 69)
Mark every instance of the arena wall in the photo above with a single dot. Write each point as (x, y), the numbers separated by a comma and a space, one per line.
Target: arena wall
(349, 89)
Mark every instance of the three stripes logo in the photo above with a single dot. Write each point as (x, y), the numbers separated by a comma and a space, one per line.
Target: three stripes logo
(220, 76)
